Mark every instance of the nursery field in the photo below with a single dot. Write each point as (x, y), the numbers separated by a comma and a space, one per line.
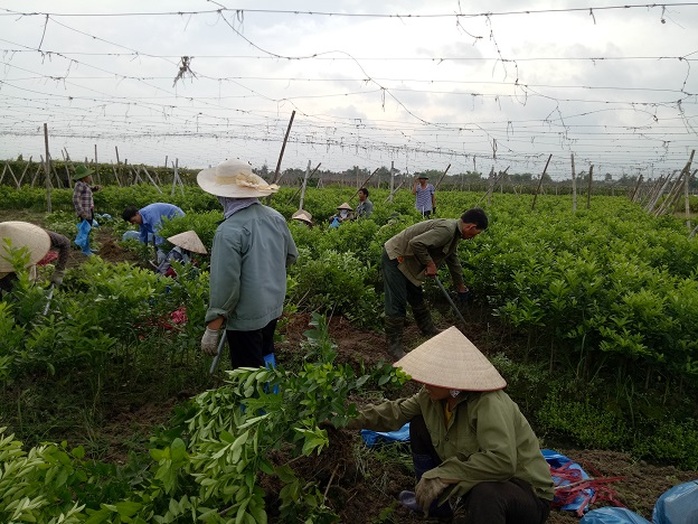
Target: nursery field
(590, 316)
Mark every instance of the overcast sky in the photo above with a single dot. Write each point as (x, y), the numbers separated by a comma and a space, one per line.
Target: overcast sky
(421, 84)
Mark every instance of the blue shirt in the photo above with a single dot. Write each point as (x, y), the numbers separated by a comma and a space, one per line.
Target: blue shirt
(152, 216)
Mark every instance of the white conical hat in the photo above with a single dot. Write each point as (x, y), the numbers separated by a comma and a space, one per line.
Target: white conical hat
(346, 206)
(234, 179)
(22, 234)
(188, 240)
(449, 360)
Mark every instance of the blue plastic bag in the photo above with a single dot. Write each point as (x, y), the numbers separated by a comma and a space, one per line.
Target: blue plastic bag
(558, 461)
(373, 438)
(613, 516)
(678, 505)
(82, 240)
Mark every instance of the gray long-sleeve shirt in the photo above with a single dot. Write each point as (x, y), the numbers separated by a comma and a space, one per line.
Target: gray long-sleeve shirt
(250, 253)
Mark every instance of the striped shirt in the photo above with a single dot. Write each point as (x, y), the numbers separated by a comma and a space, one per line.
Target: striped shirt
(424, 197)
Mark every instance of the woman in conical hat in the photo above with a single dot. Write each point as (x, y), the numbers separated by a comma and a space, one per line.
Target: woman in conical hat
(469, 440)
(185, 244)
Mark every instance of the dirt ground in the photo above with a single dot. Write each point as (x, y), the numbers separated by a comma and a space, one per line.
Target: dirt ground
(360, 498)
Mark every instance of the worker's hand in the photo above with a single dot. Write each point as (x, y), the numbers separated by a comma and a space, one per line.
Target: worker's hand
(427, 491)
(96, 188)
(209, 342)
(57, 278)
(431, 269)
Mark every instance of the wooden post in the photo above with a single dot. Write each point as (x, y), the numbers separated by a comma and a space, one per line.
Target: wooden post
(305, 181)
(392, 180)
(117, 171)
(47, 167)
(277, 171)
(591, 177)
(687, 205)
(540, 182)
(574, 185)
(26, 168)
(637, 187)
(442, 177)
(364, 184)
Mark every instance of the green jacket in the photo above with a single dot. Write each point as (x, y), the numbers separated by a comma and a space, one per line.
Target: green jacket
(487, 439)
(435, 240)
(250, 253)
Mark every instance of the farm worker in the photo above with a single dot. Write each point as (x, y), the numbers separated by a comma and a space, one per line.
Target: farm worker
(425, 201)
(365, 207)
(185, 244)
(344, 213)
(149, 220)
(252, 248)
(469, 440)
(304, 217)
(415, 254)
(84, 205)
(38, 242)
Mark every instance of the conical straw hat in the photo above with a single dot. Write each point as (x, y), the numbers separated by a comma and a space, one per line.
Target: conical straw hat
(234, 179)
(449, 360)
(22, 234)
(346, 206)
(303, 216)
(188, 240)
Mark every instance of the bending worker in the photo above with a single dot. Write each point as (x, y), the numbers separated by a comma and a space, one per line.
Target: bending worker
(415, 254)
(149, 220)
(471, 446)
(38, 242)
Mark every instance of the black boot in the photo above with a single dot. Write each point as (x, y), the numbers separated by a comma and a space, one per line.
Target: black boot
(393, 335)
(422, 316)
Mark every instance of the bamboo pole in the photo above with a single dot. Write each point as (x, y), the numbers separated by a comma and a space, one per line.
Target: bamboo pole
(591, 178)
(293, 197)
(277, 171)
(364, 184)
(574, 185)
(442, 177)
(637, 187)
(540, 182)
(303, 185)
(48, 171)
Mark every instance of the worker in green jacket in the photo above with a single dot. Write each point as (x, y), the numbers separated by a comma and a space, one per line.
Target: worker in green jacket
(471, 446)
(413, 255)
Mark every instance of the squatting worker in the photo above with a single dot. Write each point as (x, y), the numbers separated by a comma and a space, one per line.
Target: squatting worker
(38, 242)
(471, 445)
(415, 254)
(252, 248)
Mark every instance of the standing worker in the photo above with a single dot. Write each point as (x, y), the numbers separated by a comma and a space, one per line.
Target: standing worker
(365, 207)
(415, 254)
(471, 445)
(425, 201)
(84, 204)
(251, 250)
(149, 220)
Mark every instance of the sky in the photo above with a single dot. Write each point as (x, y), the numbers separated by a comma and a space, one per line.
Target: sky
(418, 85)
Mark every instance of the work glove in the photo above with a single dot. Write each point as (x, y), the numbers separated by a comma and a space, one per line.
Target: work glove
(209, 342)
(57, 278)
(427, 491)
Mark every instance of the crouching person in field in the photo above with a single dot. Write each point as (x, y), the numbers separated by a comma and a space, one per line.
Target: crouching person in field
(472, 448)
(185, 244)
(251, 250)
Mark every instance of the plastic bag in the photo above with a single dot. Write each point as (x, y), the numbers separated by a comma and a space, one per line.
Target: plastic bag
(678, 505)
(613, 516)
(82, 240)
(373, 438)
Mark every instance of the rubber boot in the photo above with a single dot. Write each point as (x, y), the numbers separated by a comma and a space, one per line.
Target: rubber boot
(422, 464)
(393, 335)
(422, 316)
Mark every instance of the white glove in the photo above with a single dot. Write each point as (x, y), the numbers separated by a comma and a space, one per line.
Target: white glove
(57, 278)
(209, 342)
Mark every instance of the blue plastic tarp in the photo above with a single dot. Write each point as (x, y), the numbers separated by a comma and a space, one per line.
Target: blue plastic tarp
(373, 438)
(613, 516)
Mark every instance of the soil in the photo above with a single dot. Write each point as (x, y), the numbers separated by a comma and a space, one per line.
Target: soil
(360, 489)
